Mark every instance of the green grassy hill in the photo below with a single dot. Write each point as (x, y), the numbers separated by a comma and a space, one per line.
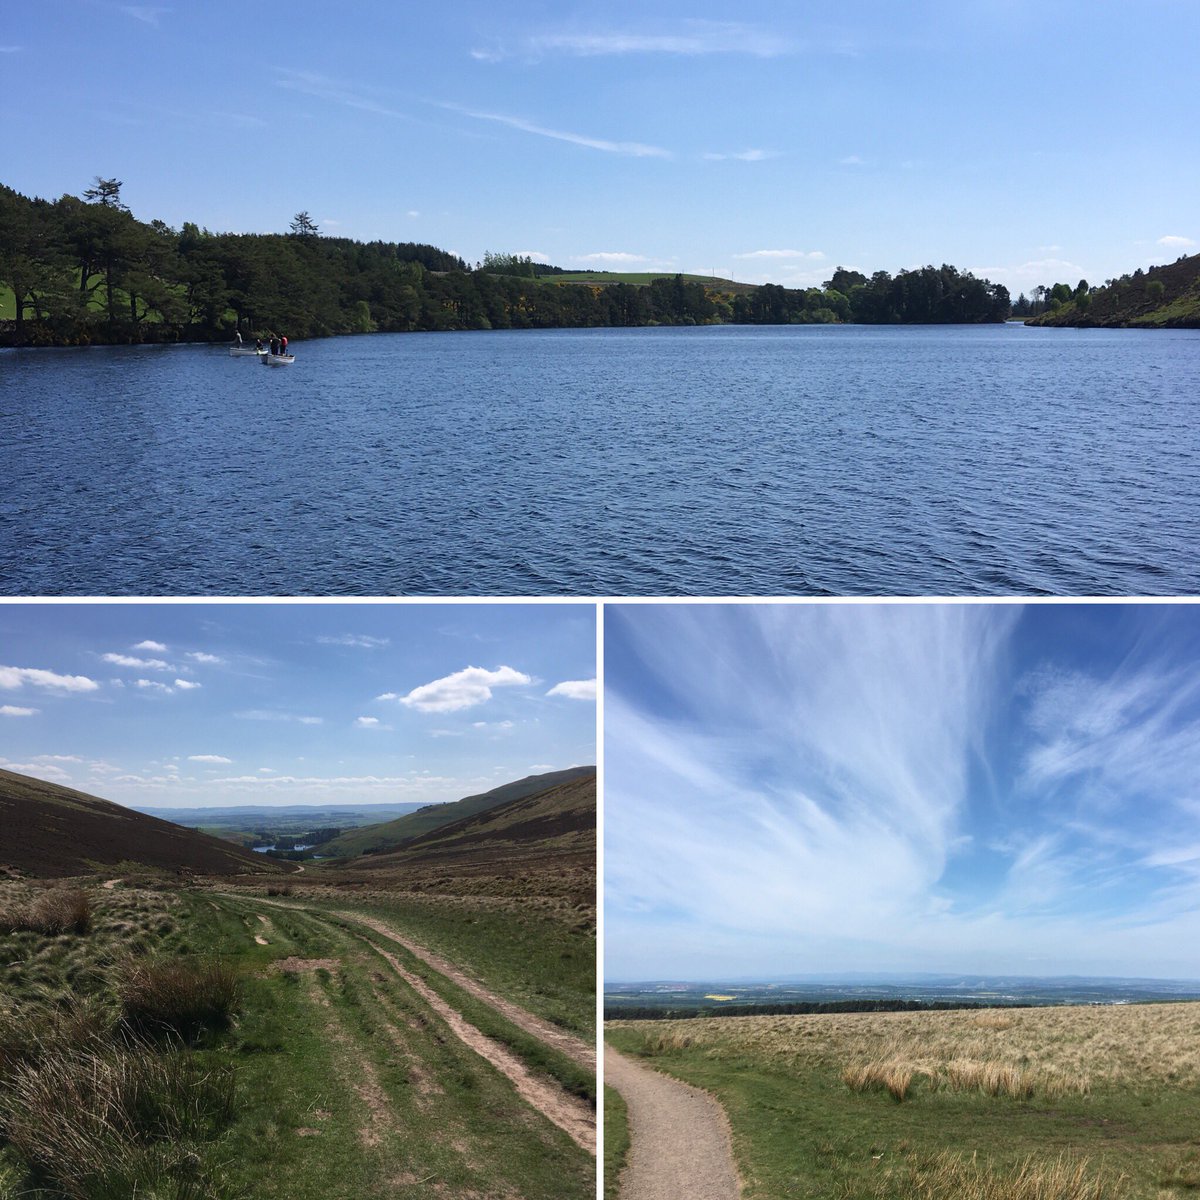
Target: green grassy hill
(374, 839)
(1159, 298)
(53, 831)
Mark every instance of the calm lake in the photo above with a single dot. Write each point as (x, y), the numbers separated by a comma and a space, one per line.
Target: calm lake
(714, 461)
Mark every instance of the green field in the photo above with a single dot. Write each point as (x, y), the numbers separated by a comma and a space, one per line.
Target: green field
(642, 278)
(1067, 1103)
(331, 1073)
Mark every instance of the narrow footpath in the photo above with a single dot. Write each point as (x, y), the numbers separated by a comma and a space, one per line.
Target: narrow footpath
(679, 1142)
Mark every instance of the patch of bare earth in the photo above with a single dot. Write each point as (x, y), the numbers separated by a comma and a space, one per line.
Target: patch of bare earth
(297, 966)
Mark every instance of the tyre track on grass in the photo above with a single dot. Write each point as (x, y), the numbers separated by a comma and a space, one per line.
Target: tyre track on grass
(570, 1113)
(679, 1144)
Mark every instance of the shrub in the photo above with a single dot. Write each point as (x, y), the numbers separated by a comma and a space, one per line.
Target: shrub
(895, 1078)
(178, 998)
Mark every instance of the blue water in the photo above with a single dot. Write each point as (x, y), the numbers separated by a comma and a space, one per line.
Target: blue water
(712, 461)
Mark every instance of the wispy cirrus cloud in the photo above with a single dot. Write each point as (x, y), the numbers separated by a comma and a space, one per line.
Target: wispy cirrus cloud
(359, 641)
(1175, 241)
(607, 145)
(751, 155)
(322, 87)
(148, 14)
(462, 689)
(619, 257)
(809, 255)
(933, 788)
(689, 38)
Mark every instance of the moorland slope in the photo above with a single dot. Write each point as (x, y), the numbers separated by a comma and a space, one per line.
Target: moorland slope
(53, 831)
(391, 835)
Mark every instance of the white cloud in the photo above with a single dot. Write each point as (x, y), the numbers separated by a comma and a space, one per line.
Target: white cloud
(208, 659)
(813, 255)
(612, 256)
(366, 722)
(575, 689)
(388, 696)
(634, 149)
(752, 155)
(150, 685)
(321, 86)
(210, 758)
(463, 689)
(153, 647)
(146, 13)
(13, 710)
(361, 641)
(14, 678)
(39, 770)
(1175, 241)
(186, 685)
(142, 664)
(690, 38)
(851, 160)
(270, 714)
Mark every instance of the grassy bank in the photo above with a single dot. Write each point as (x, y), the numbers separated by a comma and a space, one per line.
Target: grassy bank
(1052, 1103)
(616, 1140)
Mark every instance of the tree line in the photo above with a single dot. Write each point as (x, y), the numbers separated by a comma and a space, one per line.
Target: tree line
(789, 1008)
(83, 269)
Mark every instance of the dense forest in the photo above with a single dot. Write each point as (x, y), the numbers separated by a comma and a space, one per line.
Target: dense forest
(83, 269)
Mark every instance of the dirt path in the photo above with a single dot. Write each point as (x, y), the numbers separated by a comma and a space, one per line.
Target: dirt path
(573, 1047)
(678, 1137)
(568, 1112)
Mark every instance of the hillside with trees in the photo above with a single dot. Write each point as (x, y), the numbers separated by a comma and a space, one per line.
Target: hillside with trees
(1165, 297)
(83, 269)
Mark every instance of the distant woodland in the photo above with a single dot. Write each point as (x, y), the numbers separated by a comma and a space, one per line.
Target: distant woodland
(83, 269)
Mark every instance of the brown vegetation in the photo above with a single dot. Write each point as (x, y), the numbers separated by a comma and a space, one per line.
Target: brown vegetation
(178, 997)
(60, 910)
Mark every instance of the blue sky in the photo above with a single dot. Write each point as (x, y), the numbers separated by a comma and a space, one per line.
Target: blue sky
(215, 704)
(796, 789)
(1025, 140)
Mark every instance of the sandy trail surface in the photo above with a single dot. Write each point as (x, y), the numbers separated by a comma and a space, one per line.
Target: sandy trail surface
(678, 1137)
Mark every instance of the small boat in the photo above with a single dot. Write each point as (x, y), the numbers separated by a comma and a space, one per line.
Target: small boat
(277, 360)
(245, 352)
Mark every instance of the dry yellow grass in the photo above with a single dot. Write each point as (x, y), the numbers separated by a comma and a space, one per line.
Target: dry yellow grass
(947, 1176)
(1059, 1051)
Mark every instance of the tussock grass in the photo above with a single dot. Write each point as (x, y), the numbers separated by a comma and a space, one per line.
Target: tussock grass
(892, 1077)
(99, 1121)
(53, 912)
(178, 997)
(948, 1176)
(655, 1044)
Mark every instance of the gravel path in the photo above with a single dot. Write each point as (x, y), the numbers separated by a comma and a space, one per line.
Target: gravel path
(678, 1137)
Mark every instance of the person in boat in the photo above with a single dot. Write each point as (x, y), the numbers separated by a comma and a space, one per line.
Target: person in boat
(258, 345)
(274, 345)
(237, 333)
(283, 343)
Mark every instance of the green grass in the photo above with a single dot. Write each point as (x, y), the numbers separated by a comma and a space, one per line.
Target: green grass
(616, 1140)
(543, 958)
(799, 1130)
(346, 1084)
(8, 312)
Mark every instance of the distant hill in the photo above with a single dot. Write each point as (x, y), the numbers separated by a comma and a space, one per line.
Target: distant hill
(374, 839)
(1159, 298)
(555, 822)
(48, 830)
